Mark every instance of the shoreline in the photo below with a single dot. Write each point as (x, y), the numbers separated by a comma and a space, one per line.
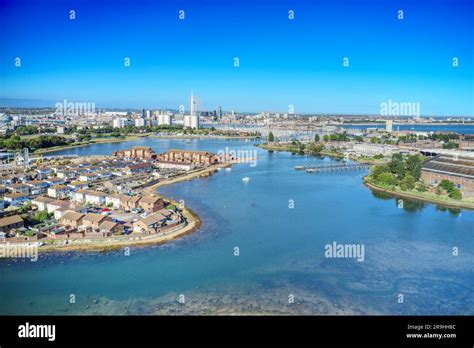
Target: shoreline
(66, 147)
(134, 138)
(409, 195)
(105, 245)
(364, 160)
(186, 177)
(414, 196)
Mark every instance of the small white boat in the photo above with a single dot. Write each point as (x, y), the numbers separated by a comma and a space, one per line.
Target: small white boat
(228, 169)
(246, 179)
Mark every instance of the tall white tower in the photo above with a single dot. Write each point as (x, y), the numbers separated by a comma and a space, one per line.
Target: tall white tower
(193, 121)
(192, 105)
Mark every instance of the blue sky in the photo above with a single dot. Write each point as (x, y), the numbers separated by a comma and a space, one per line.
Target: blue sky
(282, 61)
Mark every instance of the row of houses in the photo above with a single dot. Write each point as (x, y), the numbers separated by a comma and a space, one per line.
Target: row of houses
(148, 203)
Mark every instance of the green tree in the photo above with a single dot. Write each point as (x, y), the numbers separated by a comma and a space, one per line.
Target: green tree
(387, 179)
(455, 194)
(316, 138)
(421, 187)
(326, 138)
(375, 171)
(413, 166)
(271, 138)
(408, 182)
(447, 185)
(397, 165)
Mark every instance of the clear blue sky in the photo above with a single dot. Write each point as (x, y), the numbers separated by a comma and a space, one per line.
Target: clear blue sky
(282, 62)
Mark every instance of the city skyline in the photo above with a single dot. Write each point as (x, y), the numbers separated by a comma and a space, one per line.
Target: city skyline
(282, 61)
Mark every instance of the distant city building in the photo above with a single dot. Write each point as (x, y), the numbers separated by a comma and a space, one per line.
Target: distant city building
(164, 119)
(192, 120)
(389, 126)
(139, 122)
(372, 149)
(118, 122)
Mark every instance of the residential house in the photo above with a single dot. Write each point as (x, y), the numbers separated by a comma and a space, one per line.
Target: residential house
(59, 191)
(95, 197)
(93, 220)
(55, 181)
(37, 186)
(10, 223)
(78, 185)
(144, 167)
(56, 204)
(40, 202)
(72, 219)
(16, 198)
(66, 174)
(129, 202)
(151, 203)
(43, 173)
(113, 200)
(151, 224)
(110, 227)
(19, 188)
(89, 177)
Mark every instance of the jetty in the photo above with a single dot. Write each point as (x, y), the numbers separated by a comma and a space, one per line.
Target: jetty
(334, 167)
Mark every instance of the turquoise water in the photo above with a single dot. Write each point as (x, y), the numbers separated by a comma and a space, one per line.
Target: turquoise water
(407, 251)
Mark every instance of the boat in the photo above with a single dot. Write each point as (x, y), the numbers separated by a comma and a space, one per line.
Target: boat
(246, 179)
(228, 169)
(299, 167)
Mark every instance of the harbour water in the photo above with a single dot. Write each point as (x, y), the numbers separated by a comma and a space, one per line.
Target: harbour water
(262, 244)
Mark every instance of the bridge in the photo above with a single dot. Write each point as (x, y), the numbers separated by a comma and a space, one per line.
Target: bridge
(335, 167)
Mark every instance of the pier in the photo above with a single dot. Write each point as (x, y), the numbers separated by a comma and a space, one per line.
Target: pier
(330, 168)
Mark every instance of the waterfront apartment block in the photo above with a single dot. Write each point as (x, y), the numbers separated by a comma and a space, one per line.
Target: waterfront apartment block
(202, 158)
(136, 152)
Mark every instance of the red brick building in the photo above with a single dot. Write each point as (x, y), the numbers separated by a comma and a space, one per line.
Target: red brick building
(203, 158)
(139, 152)
(459, 170)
